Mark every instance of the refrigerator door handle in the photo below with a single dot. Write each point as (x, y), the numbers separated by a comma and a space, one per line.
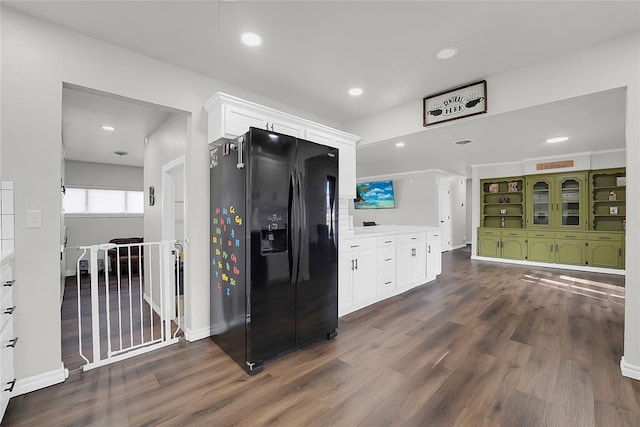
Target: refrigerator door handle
(293, 229)
(303, 253)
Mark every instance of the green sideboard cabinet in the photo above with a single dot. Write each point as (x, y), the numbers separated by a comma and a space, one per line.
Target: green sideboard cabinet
(502, 243)
(605, 250)
(540, 245)
(574, 218)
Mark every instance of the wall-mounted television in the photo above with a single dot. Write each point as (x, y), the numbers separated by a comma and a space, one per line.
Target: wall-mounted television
(374, 195)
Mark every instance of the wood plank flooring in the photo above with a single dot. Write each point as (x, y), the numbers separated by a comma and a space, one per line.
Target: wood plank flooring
(484, 345)
(134, 312)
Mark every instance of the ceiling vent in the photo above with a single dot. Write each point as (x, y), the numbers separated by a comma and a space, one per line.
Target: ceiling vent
(121, 153)
(463, 142)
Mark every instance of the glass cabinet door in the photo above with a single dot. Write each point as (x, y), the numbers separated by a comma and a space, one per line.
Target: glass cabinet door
(541, 203)
(570, 208)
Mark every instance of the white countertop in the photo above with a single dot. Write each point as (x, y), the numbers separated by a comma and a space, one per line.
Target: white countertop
(384, 230)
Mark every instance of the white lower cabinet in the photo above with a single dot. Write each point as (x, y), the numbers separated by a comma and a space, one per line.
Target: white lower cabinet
(434, 255)
(8, 341)
(364, 288)
(374, 268)
(412, 261)
(356, 275)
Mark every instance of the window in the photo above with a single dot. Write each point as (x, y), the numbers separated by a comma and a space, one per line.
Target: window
(99, 201)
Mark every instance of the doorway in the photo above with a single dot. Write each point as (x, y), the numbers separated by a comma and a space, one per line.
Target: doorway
(114, 150)
(174, 228)
(444, 214)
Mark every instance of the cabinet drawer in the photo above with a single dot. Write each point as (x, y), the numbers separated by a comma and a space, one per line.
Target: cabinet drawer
(542, 234)
(386, 241)
(385, 282)
(609, 237)
(6, 308)
(514, 233)
(489, 231)
(386, 258)
(434, 236)
(7, 356)
(411, 238)
(351, 245)
(571, 236)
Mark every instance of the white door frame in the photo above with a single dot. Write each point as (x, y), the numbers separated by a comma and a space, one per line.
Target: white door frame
(444, 201)
(168, 216)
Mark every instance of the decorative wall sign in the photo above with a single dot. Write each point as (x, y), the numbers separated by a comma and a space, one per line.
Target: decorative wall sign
(554, 165)
(455, 103)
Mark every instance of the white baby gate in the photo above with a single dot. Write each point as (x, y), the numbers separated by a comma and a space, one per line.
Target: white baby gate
(135, 300)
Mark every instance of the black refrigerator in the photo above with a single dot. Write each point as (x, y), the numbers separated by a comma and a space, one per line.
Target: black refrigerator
(274, 245)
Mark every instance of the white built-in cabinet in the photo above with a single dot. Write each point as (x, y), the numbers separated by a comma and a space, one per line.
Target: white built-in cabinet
(412, 261)
(229, 117)
(434, 255)
(373, 268)
(357, 271)
(8, 340)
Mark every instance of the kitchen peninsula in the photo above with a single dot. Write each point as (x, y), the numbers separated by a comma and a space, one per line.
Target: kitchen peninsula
(382, 261)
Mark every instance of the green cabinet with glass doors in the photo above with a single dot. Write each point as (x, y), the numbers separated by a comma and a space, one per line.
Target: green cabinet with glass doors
(557, 201)
(572, 218)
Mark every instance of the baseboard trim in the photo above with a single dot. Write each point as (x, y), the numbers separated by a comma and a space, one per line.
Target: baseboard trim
(69, 273)
(550, 265)
(152, 304)
(37, 382)
(198, 334)
(453, 248)
(629, 370)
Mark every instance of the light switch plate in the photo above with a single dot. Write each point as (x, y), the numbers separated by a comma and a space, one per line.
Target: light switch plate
(34, 219)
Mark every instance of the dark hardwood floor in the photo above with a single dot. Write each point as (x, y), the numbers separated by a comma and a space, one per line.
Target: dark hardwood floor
(134, 314)
(486, 344)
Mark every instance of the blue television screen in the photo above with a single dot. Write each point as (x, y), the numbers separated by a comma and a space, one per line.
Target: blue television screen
(374, 195)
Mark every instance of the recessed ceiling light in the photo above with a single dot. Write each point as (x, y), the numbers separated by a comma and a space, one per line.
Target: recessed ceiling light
(251, 39)
(557, 139)
(399, 144)
(121, 153)
(446, 52)
(108, 128)
(355, 91)
(463, 142)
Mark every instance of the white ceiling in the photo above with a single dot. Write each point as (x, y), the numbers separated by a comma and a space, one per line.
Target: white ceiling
(85, 112)
(593, 122)
(314, 51)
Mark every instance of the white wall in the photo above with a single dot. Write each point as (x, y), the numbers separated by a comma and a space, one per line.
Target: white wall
(92, 230)
(37, 57)
(166, 143)
(416, 196)
(87, 174)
